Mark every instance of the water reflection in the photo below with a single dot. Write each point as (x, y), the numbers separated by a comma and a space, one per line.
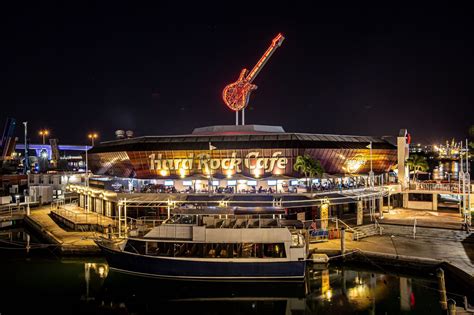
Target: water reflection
(446, 170)
(336, 290)
(74, 285)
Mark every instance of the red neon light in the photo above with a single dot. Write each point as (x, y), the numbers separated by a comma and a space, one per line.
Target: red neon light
(236, 95)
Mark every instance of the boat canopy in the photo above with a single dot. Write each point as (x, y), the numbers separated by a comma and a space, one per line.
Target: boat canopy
(209, 210)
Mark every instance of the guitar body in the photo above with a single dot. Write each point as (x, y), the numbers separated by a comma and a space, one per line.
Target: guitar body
(236, 95)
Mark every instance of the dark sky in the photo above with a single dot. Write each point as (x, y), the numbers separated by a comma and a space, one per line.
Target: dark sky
(160, 70)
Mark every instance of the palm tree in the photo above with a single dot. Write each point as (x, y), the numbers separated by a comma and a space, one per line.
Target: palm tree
(417, 163)
(309, 167)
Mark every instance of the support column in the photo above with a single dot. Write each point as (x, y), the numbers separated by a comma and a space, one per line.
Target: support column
(435, 201)
(324, 216)
(120, 220)
(360, 213)
(405, 200)
(343, 241)
(381, 207)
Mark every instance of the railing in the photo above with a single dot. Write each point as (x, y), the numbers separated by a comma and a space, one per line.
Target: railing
(74, 216)
(377, 225)
(7, 212)
(452, 187)
(299, 190)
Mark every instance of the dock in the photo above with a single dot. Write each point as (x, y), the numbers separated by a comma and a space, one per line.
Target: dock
(69, 241)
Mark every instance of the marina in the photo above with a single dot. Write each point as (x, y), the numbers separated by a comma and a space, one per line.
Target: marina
(89, 285)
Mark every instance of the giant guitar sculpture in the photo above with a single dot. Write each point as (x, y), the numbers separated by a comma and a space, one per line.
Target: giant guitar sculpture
(236, 95)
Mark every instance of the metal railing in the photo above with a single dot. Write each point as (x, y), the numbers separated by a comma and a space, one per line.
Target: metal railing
(356, 234)
(74, 216)
(451, 187)
(8, 212)
(378, 226)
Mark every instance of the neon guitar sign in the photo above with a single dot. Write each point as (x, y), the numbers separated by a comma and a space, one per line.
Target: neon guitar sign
(236, 95)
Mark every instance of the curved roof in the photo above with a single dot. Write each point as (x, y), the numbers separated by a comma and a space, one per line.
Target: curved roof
(242, 141)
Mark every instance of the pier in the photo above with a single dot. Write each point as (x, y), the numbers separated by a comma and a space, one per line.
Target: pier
(68, 242)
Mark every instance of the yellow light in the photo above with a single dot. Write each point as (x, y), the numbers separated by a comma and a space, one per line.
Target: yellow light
(256, 173)
(229, 173)
(329, 294)
(163, 172)
(182, 172)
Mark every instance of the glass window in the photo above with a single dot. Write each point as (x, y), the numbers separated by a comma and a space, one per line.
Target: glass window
(231, 182)
(187, 183)
(215, 183)
(169, 183)
(252, 182)
(272, 182)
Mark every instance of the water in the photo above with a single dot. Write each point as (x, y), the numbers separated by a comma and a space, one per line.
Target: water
(42, 282)
(448, 170)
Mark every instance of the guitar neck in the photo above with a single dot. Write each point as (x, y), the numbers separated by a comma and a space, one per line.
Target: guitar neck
(258, 67)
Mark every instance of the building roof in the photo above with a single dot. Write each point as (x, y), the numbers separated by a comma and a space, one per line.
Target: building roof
(241, 141)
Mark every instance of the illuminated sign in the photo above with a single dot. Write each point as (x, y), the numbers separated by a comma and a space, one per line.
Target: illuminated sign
(169, 183)
(252, 183)
(354, 164)
(205, 163)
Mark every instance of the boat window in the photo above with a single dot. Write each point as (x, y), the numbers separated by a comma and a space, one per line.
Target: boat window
(297, 240)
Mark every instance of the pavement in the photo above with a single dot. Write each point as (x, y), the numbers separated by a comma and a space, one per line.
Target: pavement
(447, 219)
(439, 236)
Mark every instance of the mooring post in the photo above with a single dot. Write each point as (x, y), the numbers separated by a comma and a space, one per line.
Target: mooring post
(451, 307)
(343, 241)
(442, 289)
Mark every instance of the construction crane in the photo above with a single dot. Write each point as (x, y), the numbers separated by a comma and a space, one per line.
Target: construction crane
(236, 95)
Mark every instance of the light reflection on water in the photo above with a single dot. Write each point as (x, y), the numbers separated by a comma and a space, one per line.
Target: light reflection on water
(45, 283)
(449, 170)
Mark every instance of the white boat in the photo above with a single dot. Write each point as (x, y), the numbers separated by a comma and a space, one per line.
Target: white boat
(230, 244)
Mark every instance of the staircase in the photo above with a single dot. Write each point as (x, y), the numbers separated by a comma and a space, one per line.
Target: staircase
(367, 230)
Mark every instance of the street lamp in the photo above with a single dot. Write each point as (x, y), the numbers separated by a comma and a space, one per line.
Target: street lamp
(93, 136)
(44, 133)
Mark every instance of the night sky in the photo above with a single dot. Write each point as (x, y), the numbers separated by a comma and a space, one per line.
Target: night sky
(160, 70)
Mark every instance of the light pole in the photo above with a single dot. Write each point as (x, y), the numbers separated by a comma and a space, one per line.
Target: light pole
(44, 133)
(93, 136)
(26, 164)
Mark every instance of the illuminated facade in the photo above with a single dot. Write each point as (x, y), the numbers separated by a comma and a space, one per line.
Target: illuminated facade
(245, 153)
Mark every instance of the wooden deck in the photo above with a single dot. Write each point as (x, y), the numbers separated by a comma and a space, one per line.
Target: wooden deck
(77, 219)
(69, 242)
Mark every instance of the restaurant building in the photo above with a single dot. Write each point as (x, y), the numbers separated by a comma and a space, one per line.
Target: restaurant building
(239, 159)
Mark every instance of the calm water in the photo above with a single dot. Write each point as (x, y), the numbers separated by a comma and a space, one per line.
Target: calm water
(448, 170)
(41, 282)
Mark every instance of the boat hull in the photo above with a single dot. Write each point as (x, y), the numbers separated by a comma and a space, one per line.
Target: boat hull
(169, 267)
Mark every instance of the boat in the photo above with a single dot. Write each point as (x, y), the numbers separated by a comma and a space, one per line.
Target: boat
(214, 244)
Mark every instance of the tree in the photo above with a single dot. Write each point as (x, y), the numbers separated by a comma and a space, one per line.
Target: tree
(417, 163)
(309, 167)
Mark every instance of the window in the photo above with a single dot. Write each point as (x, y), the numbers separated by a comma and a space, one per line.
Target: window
(294, 182)
(272, 182)
(231, 182)
(252, 182)
(420, 197)
(215, 183)
(187, 183)
(169, 183)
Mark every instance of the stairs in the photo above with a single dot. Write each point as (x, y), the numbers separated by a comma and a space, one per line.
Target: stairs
(367, 230)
